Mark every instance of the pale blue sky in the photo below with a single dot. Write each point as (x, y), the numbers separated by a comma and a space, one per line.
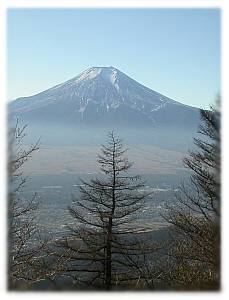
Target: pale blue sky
(173, 51)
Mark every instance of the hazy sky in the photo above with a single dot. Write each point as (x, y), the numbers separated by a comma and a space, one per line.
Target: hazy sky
(173, 51)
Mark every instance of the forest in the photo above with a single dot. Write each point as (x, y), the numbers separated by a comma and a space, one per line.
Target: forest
(104, 250)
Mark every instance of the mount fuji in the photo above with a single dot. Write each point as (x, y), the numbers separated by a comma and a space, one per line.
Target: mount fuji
(104, 96)
(72, 120)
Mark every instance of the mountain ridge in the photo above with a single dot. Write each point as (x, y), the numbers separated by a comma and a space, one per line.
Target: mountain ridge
(103, 95)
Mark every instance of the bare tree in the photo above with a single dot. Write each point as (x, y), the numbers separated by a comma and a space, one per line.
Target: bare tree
(104, 247)
(22, 228)
(194, 254)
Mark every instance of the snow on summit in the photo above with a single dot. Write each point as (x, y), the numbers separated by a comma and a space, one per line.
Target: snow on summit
(89, 74)
(100, 93)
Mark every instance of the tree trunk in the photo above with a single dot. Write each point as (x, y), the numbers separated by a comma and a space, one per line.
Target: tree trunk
(108, 256)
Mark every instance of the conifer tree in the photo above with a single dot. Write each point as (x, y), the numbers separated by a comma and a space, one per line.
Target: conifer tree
(103, 246)
(196, 216)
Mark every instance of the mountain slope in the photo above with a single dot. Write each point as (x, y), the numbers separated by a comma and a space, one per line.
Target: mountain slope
(104, 96)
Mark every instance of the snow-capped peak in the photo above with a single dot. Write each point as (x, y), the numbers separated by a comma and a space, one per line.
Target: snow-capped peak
(89, 74)
(100, 93)
(104, 72)
(107, 88)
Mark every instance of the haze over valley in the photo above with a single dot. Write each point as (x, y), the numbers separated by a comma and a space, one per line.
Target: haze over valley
(72, 120)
